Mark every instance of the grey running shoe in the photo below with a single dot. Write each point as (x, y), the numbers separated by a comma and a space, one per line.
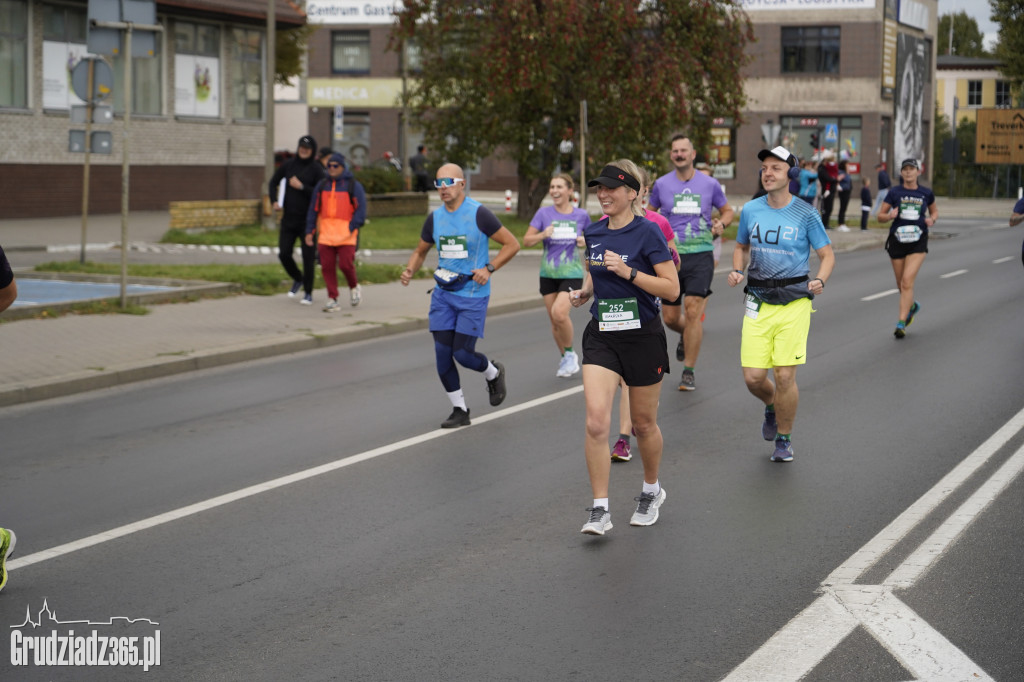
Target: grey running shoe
(687, 383)
(332, 306)
(600, 521)
(647, 508)
(458, 417)
(770, 428)
(783, 451)
(496, 386)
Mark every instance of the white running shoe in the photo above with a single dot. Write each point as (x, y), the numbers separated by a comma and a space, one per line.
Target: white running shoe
(572, 363)
(355, 295)
(844, 228)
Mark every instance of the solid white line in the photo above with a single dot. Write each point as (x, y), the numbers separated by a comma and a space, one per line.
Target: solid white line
(922, 650)
(883, 294)
(865, 557)
(946, 534)
(952, 274)
(797, 648)
(220, 500)
(1003, 260)
(804, 641)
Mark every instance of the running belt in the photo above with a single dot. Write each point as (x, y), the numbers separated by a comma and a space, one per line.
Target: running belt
(775, 282)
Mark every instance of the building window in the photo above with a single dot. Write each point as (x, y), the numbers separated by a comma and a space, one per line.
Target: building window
(64, 38)
(810, 49)
(247, 73)
(1003, 98)
(413, 57)
(147, 82)
(974, 93)
(350, 52)
(196, 69)
(13, 53)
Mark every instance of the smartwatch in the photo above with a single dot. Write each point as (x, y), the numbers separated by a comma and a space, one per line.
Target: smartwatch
(632, 274)
(490, 268)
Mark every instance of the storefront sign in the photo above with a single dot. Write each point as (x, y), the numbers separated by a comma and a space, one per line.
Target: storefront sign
(354, 92)
(351, 11)
(753, 5)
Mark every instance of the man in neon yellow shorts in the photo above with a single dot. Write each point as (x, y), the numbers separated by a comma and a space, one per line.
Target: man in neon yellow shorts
(777, 231)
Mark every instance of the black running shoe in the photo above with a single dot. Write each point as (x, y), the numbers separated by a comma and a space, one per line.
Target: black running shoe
(496, 386)
(458, 417)
(680, 350)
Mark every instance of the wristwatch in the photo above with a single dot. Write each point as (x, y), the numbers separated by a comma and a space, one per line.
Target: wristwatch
(632, 274)
(490, 268)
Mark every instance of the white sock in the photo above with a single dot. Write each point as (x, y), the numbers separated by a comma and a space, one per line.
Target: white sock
(601, 502)
(458, 400)
(491, 372)
(653, 488)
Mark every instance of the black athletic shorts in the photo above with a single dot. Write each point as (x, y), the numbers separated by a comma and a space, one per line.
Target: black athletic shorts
(696, 270)
(640, 356)
(898, 250)
(550, 285)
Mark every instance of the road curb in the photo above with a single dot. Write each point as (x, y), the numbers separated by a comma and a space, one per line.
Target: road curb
(159, 367)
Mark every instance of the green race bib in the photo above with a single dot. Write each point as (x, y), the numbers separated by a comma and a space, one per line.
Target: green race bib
(616, 314)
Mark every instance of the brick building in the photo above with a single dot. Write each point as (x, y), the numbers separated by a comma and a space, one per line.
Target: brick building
(859, 74)
(197, 127)
(352, 93)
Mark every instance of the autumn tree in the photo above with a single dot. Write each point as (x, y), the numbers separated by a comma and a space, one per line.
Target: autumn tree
(1009, 15)
(968, 40)
(506, 77)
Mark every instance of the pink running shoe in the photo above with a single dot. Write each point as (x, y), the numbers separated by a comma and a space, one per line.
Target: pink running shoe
(621, 453)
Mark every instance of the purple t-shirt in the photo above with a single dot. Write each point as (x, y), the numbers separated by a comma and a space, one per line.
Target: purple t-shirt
(688, 206)
(561, 259)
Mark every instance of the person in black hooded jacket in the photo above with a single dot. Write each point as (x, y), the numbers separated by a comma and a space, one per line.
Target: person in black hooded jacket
(300, 174)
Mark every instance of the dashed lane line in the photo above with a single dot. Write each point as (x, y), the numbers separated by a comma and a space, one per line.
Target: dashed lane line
(955, 273)
(274, 484)
(881, 294)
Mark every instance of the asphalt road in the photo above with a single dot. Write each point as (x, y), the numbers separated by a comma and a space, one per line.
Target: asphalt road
(417, 554)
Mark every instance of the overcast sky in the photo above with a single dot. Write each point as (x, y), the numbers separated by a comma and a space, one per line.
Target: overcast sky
(980, 10)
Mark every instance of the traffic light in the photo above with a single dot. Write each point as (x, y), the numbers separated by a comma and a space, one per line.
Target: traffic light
(814, 140)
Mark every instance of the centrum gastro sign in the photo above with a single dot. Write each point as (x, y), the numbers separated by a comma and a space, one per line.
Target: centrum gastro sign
(351, 11)
(1000, 136)
(45, 641)
(369, 93)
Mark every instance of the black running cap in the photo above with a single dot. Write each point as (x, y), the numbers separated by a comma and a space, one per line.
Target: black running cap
(612, 177)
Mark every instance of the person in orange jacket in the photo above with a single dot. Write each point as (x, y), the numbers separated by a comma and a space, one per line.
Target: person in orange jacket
(336, 212)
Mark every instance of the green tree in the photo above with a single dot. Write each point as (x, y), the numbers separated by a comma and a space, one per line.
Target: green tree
(968, 40)
(1009, 14)
(290, 50)
(506, 77)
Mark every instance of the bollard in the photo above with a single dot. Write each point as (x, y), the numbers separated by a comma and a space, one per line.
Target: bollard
(508, 201)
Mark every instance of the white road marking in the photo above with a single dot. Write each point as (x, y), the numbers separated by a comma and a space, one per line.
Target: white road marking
(955, 273)
(220, 500)
(1003, 260)
(883, 294)
(801, 644)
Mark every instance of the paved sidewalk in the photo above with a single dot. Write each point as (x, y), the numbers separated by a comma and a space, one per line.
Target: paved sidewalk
(55, 357)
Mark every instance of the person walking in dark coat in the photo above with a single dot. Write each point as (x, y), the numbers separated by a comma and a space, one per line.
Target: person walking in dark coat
(299, 175)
